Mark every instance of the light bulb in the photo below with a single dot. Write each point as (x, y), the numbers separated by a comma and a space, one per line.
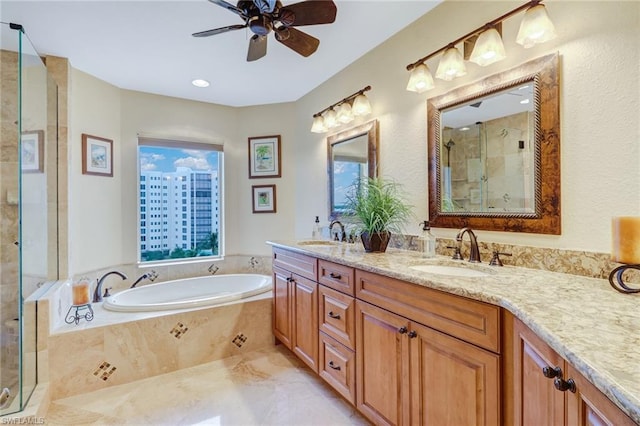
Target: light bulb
(318, 125)
(330, 119)
(451, 65)
(420, 79)
(488, 48)
(536, 27)
(361, 106)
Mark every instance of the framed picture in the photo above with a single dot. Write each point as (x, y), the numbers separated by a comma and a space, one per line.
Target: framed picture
(264, 198)
(264, 157)
(32, 151)
(97, 156)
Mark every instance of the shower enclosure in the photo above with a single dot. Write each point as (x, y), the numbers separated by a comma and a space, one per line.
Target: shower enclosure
(28, 208)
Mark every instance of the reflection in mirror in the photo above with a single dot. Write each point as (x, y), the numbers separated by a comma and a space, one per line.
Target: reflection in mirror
(488, 153)
(352, 157)
(494, 152)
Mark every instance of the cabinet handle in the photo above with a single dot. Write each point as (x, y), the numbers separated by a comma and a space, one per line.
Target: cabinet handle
(564, 385)
(333, 366)
(402, 330)
(334, 316)
(335, 276)
(551, 372)
(412, 334)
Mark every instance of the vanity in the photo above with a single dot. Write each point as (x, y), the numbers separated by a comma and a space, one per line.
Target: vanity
(409, 340)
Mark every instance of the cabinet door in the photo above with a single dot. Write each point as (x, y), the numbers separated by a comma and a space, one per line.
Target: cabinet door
(537, 402)
(382, 365)
(590, 407)
(282, 306)
(305, 321)
(452, 382)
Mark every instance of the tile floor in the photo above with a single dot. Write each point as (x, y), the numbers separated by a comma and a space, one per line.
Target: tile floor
(265, 387)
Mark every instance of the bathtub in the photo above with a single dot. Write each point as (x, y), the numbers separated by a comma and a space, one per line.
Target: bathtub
(189, 293)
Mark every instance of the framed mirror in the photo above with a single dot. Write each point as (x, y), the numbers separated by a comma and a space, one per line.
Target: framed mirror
(494, 152)
(352, 155)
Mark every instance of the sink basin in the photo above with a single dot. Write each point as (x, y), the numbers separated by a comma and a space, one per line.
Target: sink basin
(453, 271)
(317, 243)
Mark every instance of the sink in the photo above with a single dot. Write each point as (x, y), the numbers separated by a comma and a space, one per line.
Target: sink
(317, 243)
(453, 271)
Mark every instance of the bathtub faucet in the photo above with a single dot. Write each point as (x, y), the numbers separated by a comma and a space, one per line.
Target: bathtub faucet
(97, 294)
(151, 276)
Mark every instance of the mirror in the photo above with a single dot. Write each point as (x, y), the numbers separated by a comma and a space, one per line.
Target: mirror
(352, 156)
(494, 152)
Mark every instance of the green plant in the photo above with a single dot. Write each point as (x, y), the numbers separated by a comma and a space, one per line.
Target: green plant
(378, 205)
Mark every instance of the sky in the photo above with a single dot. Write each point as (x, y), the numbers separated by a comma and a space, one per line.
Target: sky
(168, 159)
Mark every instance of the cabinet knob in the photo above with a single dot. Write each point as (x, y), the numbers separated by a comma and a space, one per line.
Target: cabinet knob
(335, 276)
(334, 316)
(412, 334)
(333, 366)
(402, 330)
(551, 372)
(564, 385)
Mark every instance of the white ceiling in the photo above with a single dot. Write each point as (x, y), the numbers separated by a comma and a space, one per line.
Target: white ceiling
(146, 45)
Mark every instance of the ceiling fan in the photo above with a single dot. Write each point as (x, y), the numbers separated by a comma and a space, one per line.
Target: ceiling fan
(264, 16)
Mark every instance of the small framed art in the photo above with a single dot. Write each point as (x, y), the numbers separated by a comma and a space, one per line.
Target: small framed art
(264, 157)
(264, 198)
(97, 156)
(32, 151)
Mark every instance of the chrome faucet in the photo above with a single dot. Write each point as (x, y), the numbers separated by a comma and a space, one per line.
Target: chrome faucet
(343, 233)
(474, 253)
(150, 275)
(97, 294)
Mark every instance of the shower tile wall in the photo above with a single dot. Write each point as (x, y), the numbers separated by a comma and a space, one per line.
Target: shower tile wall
(9, 214)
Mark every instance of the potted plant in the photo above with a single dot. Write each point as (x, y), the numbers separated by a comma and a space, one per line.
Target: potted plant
(379, 208)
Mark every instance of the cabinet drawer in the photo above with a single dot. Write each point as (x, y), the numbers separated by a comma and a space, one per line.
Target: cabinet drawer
(338, 277)
(337, 367)
(337, 316)
(469, 320)
(300, 264)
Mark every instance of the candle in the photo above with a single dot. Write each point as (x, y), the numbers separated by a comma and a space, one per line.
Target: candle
(80, 292)
(626, 239)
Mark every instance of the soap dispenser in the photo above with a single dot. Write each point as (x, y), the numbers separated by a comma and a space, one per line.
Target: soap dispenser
(427, 241)
(316, 234)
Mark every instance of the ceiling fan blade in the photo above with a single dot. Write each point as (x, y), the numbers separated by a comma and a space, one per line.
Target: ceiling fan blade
(302, 43)
(265, 6)
(311, 12)
(219, 30)
(230, 7)
(257, 47)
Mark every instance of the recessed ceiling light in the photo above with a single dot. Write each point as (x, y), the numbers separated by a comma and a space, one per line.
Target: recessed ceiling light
(524, 101)
(464, 129)
(198, 82)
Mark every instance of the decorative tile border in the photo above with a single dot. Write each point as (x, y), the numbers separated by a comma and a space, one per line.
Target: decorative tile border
(103, 371)
(239, 340)
(179, 330)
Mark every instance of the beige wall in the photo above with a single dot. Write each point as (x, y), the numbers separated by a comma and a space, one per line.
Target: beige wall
(599, 46)
(599, 115)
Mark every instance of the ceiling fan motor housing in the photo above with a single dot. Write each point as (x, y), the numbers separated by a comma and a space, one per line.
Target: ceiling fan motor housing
(260, 25)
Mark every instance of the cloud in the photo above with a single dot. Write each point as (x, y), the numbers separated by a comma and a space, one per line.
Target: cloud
(193, 163)
(148, 161)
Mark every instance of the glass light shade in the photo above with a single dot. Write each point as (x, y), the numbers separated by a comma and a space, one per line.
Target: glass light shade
(331, 119)
(488, 48)
(420, 79)
(536, 27)
(318, 125)
(451, 65)
(345, 115)
(361, 106)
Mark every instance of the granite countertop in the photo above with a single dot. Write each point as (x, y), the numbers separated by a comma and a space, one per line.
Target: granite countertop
(588, 323)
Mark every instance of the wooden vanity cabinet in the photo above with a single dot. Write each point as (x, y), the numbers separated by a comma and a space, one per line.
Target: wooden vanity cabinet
(295, 304)
(408, 373)
(537, 401)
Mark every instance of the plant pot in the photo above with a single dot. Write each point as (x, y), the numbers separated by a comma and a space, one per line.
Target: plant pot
(376, 242)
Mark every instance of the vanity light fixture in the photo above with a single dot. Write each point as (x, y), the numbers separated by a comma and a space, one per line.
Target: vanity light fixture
(342, 112)
(198, 82)
(486, 42)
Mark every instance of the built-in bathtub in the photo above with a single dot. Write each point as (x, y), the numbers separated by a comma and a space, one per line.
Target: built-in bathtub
(189, 293)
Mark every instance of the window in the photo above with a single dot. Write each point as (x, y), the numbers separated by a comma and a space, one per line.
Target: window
(198, 169)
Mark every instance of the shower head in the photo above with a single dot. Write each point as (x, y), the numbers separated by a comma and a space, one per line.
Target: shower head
(449, 144)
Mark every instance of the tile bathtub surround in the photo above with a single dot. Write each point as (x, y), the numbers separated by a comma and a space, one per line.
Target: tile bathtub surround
(267, 386)
(85, 360)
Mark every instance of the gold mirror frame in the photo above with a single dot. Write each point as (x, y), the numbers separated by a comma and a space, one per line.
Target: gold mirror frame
(543, 72)
(370, 129)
